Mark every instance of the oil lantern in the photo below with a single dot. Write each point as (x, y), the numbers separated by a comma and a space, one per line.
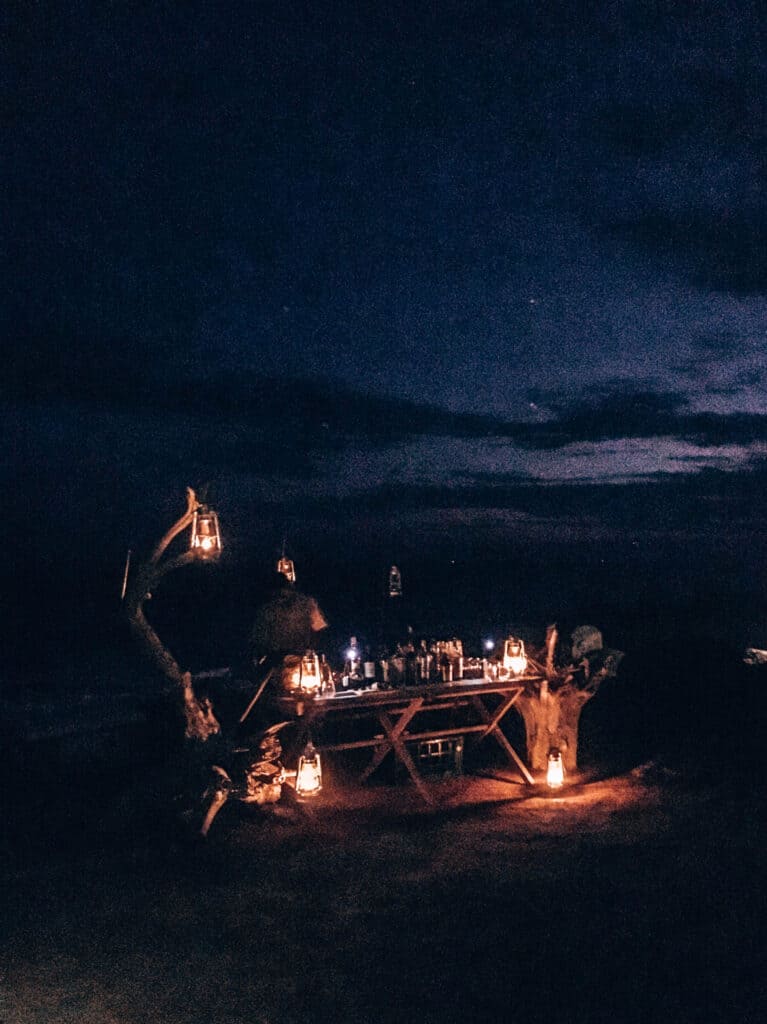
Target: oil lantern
(288, 570)
(311, 674)
(514, 657)
(206, 537)
(302, 676)
(395, 582)
(555, 771)
(309, 773)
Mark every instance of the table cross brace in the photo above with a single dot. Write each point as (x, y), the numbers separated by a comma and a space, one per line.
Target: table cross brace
(493, 728)
(394, 733)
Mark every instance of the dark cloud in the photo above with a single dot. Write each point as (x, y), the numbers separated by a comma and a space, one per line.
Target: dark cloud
(708, 345)
(144, 407)
(624, 414)
(665, 502)
(134, 377)
(707, 351)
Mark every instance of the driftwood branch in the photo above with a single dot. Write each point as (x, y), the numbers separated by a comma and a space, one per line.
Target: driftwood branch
(755, 656)
(201, 723)
(180, 524)
(552, 635)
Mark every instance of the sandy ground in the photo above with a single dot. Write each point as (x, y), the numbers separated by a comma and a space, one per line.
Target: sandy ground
(638, 897)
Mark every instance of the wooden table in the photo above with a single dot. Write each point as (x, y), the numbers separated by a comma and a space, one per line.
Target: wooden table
(397, 711)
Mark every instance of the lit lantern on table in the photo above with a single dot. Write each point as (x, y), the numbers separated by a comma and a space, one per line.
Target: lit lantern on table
(555, 770)
(288, 570)
(302, 675)
(205, 541)
(311, 674)
(309, 773)
(514, 657)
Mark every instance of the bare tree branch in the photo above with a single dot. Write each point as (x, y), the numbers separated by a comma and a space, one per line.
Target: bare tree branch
(201, 723)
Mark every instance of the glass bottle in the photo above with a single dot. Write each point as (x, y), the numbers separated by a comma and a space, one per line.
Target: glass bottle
(368, 668)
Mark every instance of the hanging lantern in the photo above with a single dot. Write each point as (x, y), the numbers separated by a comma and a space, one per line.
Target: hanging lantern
(288, 570)
(395, 582)
(309, 773)
(514, 657)
(206, 537)
(555, 770)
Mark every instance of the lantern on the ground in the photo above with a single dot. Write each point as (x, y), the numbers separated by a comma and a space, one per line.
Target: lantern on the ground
(288, 570)
(309, 773)
(206, 537)
(514, 657)
(395, 582)
(555, 770)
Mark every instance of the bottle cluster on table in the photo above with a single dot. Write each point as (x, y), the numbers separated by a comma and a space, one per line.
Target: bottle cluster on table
(408, 663)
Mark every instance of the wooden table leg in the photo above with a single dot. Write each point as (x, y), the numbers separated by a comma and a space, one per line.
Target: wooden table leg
(396, 744)
(303, 730)
(492, 727)
(401, 751)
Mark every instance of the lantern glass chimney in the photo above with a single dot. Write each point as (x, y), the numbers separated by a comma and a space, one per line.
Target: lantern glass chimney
(205, 541)
(555, 771)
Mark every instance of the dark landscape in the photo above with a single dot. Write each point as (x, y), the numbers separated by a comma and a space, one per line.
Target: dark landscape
(634, 897)
(637, 893)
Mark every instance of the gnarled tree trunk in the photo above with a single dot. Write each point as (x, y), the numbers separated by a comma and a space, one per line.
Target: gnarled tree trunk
(551, 718)
(551, 705)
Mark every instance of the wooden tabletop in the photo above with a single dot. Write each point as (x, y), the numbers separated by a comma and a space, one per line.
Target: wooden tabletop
(429, 694)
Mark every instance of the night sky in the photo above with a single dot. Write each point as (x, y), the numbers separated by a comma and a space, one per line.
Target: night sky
(449, 284)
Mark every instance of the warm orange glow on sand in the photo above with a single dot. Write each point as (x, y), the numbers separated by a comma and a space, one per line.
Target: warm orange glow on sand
(583, 803)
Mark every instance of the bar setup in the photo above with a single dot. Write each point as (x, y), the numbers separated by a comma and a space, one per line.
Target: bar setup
(395, 703)
(415, 703)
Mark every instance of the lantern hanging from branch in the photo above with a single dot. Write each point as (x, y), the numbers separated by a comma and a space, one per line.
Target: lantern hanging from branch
(395, 582)
(555, 771)
(514, 657)
(206, 536)
(309, 773)
(286, 567)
